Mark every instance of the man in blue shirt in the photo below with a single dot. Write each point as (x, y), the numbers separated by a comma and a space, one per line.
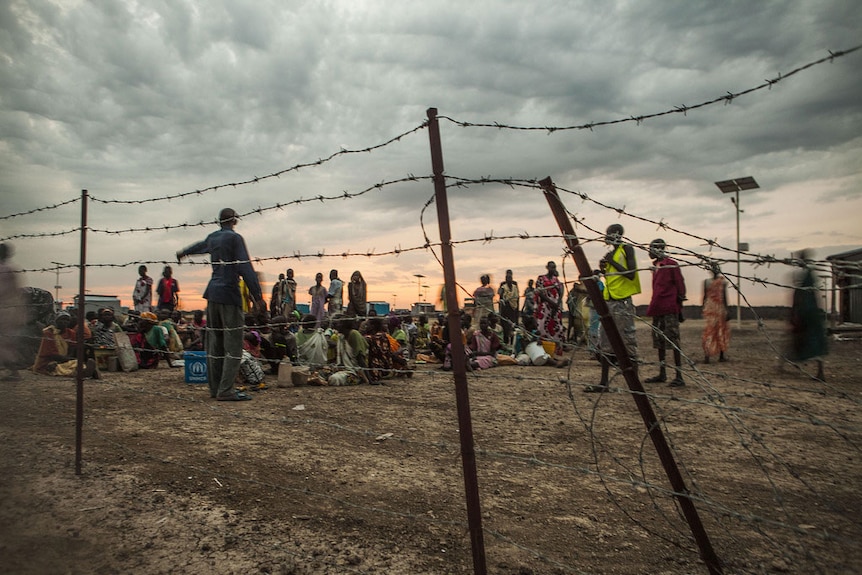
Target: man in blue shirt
(225, 318)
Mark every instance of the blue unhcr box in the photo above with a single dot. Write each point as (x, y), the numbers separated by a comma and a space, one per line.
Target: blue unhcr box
(196, 366)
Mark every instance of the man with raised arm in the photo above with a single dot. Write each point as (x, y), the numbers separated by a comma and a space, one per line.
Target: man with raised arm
(225, 318)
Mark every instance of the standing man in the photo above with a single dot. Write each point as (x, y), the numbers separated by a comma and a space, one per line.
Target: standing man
(509, 306)
(225, 318)
(319, 296)
(335, 294)
(168, 290)
(277, 299)
(288, 299)
(620, 269)
(142, 297)
(576, 329)
(529, 300)
(665, 308)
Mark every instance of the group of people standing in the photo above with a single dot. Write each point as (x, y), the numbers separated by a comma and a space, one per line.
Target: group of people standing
(618, 280)
(543, 305)
(167, 291)
(234, 292)
(325, 300)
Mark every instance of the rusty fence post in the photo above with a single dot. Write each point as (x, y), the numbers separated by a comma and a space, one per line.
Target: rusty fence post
(459, 358)
(629, 371)
(82, 283)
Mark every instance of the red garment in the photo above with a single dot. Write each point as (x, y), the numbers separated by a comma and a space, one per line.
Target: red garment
(716, 332)
(252, 347)
(167, 288)
(549, 319)
(146, 354)
(668, 288)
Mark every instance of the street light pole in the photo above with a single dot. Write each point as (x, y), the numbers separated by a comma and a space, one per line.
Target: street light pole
(419, 284)
(726, 187)
(57, 286)
(738, 266)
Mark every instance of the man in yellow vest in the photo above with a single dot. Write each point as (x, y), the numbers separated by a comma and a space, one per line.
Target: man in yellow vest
(620, 269)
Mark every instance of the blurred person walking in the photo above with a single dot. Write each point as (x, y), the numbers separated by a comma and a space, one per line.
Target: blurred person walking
(13, 316)
(807, 320)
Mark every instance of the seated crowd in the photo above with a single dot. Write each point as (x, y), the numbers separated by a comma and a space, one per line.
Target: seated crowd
(340, 350)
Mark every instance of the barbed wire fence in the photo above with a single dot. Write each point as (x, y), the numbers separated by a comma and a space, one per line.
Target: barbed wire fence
(741, 413)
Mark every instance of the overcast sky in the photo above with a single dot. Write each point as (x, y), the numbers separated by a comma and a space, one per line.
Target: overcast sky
(145, 100)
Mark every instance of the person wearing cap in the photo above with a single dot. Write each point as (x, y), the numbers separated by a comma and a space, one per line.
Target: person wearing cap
(225, 318)
(665, 309)
(57, 350)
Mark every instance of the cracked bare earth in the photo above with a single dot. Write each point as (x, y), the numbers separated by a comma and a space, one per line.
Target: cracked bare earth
(368, 479)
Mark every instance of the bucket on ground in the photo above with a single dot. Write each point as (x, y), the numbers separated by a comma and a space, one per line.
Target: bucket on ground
(550, 347)
(537, 353)
(196, 366)
(299, 375)
(103, 356)
(285, 374)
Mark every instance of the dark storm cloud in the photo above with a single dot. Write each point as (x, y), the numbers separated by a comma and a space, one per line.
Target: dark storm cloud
(142, 100)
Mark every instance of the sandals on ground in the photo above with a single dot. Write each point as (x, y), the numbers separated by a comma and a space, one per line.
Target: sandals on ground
(235, 396)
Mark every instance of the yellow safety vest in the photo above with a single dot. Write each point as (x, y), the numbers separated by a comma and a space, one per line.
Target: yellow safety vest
(617, 286)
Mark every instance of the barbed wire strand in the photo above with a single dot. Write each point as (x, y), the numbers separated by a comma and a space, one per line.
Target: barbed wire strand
(727, 98)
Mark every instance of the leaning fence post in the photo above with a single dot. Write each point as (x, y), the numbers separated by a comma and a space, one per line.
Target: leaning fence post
(629, 372)
(459, 358)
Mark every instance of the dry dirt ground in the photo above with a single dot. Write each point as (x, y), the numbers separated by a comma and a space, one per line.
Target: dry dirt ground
(368, 479)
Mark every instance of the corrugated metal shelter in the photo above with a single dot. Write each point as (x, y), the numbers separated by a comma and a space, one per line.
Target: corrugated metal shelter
(847, 286)
(94, 303)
